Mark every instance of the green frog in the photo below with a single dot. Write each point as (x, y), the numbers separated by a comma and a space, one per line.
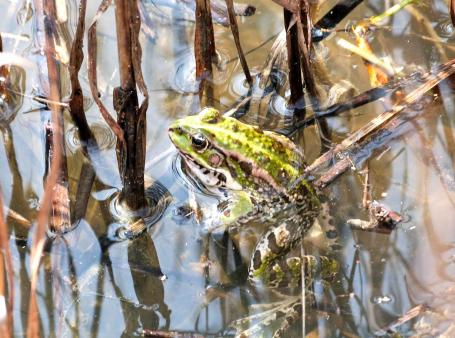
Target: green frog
(259, 170)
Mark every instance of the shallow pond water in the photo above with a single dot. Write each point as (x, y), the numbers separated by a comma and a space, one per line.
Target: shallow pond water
(175, 277)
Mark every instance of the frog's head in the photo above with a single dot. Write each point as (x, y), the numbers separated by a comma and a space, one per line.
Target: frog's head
(222, 151)
(197, 139)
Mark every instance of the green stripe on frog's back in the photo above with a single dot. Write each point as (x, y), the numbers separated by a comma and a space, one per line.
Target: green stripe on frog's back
(245, 150)
(265, 158)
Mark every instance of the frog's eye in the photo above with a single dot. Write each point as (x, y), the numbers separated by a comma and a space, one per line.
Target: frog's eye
(199, 142)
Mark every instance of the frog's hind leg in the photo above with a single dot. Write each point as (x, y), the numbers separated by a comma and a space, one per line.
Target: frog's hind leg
(274, 244)
(278, 241)
(293, 314)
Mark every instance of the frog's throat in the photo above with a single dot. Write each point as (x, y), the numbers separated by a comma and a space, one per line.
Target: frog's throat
(210, 177)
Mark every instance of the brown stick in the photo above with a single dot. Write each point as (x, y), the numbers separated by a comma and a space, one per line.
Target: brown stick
(77, 98)
(6, 327)
(235, 34)
(295, 70)
(93, 78)
(54, 173)
(130, 117)
(304, 38)
(204, 41)
(60, 213)
(290, 5)
(373, 127)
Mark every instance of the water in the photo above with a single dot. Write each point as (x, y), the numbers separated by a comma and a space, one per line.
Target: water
(168, 278)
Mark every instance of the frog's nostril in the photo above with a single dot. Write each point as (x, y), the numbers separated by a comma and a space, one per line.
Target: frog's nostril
(176, 130)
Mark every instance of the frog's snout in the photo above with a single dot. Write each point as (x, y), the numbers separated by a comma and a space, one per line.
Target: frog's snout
(174, 130)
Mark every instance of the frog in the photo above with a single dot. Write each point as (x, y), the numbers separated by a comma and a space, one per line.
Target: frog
(262, 172)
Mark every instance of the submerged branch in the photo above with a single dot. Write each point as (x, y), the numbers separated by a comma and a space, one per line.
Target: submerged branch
(294, 66)
(382, 123)
(366, 97)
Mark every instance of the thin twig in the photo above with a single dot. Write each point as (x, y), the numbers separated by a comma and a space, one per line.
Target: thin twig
(77, 98)
(373, 127)
(92, 68)
(235, 34)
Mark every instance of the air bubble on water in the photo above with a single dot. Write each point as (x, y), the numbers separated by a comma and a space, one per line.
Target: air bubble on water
(382, 299)
(279, 106)
(444, 28)
(104, 137)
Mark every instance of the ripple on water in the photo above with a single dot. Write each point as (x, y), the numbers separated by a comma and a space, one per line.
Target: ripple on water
(183, 80)
(279, 106)
(131, 223)
(103, 135)
(444, 28)
(239, 86)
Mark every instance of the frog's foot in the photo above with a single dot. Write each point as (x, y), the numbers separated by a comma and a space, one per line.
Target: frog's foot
(288, 311)
(287, 271)
(294, 313)
(238, 208)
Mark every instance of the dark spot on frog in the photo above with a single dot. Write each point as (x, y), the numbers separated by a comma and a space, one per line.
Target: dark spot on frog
(273, 246)
(246, 167)
(332, 234)
(336, 247)
(221, 178)
(257, 261)
(235, 128)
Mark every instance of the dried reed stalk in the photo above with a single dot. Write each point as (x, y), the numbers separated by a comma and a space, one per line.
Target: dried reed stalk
(47, 9)
(204, 42)
(294, 66)
(6, 265)
(77, 98)
(290, 5)
(235, 33)
(92, 76)
(130, 116)
(383, 123)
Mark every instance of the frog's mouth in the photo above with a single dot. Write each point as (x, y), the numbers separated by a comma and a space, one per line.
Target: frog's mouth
(211, 177)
